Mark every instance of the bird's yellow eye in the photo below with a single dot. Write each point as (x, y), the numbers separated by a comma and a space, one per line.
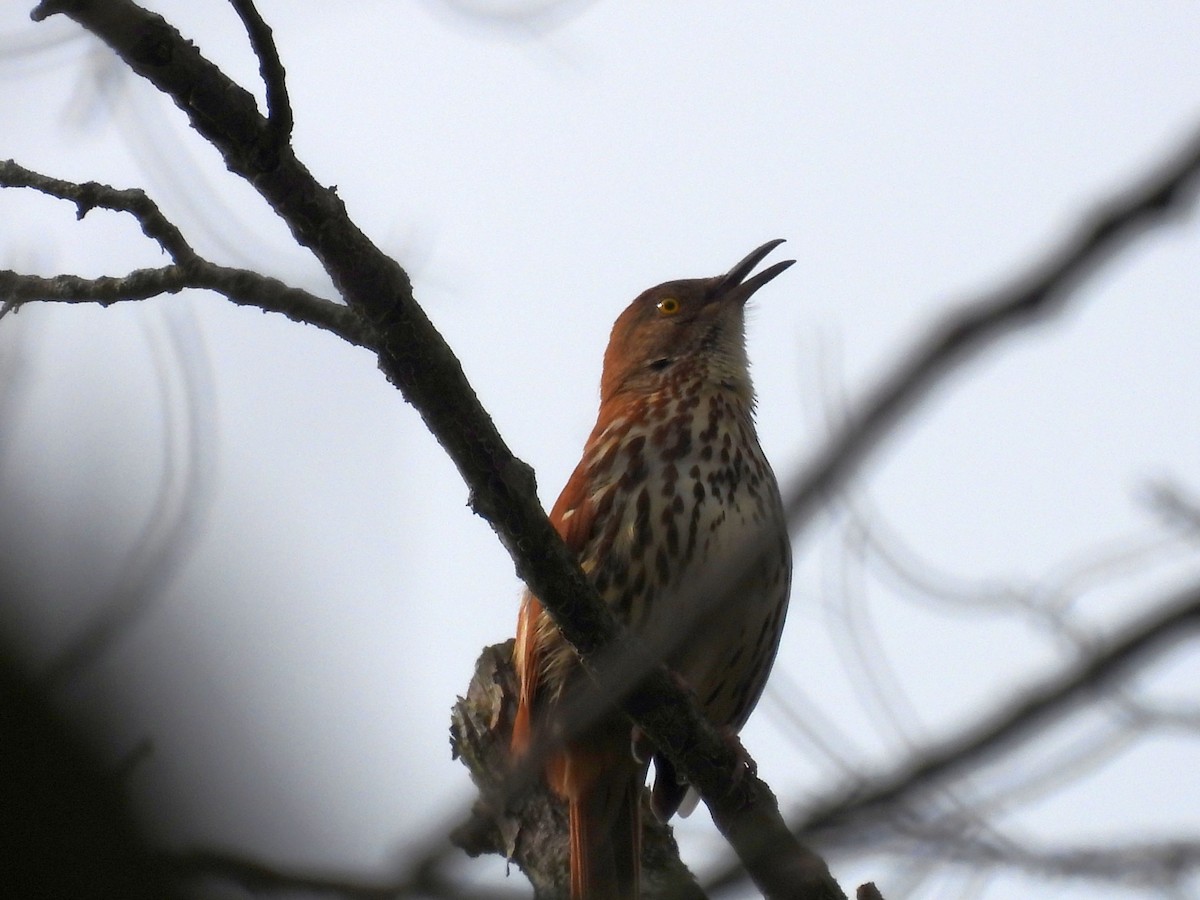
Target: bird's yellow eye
(668, 306)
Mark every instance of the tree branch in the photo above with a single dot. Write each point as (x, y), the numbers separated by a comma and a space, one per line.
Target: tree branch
(1163, 863)
(855, 805)
(258, 877)
(93, 195)
(241, 286)
(1036, 294)
(262, 42)
(1053, 697)
(520, 818)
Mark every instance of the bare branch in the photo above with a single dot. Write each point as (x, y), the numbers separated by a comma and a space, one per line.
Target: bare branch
(241, 286)
(18, 289)
(92, 195)
(1042, 291)
(519, 817)
(279, 108)
(246, 288)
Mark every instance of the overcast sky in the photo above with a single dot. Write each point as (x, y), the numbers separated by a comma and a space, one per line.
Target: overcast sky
(296, 674)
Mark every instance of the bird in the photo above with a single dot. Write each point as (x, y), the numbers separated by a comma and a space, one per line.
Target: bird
(671, 490)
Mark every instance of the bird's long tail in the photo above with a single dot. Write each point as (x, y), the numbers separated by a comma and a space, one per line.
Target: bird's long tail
(602, 784)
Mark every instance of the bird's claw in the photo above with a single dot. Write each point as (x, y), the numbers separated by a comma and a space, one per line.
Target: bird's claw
(746, 763)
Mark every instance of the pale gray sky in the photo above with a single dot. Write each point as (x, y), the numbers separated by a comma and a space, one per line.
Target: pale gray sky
(532, 183)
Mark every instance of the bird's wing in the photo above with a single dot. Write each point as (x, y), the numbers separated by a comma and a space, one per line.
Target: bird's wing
(572, 517)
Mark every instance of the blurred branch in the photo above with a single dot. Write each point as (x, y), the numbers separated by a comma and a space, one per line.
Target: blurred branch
(1035, 294)
(1043, 290)
(876, 800)
(180, 507)
(67, 828)
(1054, 697)
(523, 18)
(257, 877)
(1162, 863)
(1174, 506)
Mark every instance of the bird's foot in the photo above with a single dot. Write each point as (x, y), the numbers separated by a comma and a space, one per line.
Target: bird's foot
(746, 763)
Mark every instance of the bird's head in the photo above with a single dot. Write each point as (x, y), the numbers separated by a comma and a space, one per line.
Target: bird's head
(692, 328)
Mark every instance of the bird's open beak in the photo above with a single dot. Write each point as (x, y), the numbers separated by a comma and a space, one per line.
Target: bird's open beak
(731, 285)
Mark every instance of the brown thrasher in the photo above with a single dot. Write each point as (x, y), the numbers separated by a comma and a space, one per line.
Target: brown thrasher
(673, 491)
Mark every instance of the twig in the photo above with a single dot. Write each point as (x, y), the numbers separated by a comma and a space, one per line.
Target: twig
(241, 286)
(270, 67)
(1054, 696)
(92, 195)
